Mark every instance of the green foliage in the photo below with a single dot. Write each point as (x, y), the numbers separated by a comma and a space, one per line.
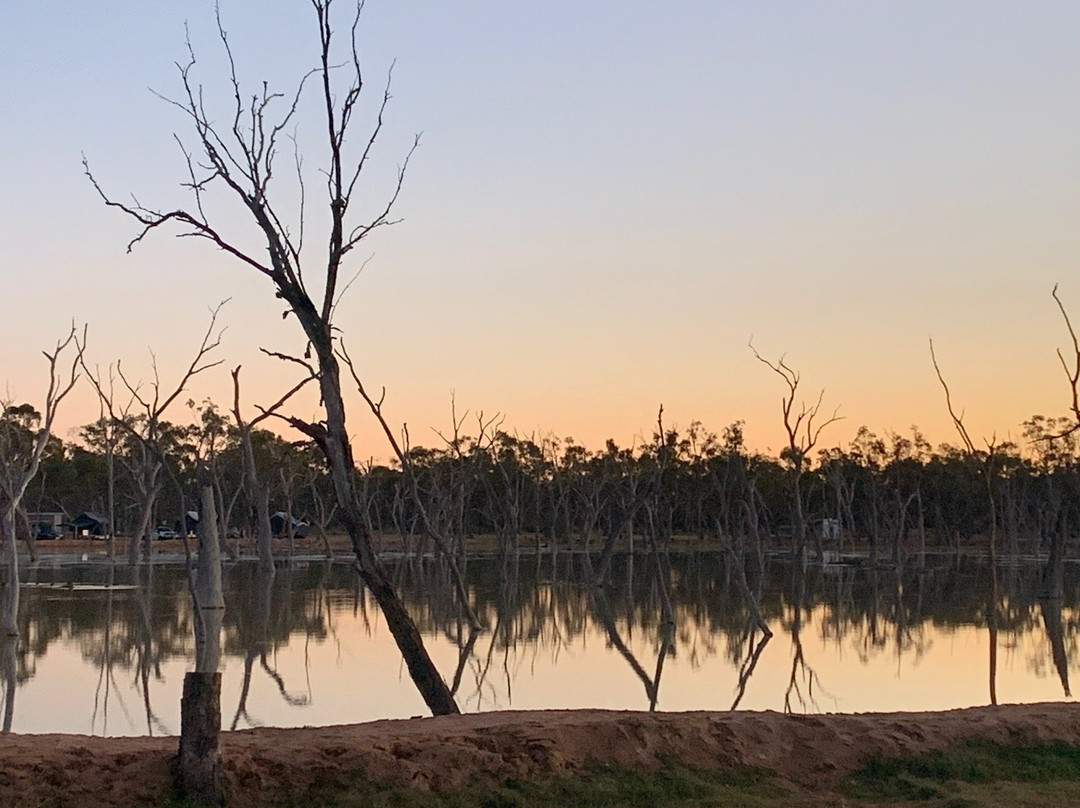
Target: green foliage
(599, 787)
(936, 775)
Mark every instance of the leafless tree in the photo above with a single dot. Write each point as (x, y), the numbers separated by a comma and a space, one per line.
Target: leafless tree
(142, 418)
(988, 464)
(211, 439)
(20, 457)
(987, 459)
(237, 155)
(803, 428)
(1053, 575)
(200, 705)
(324, 511)
(431, 527)
(259, 490)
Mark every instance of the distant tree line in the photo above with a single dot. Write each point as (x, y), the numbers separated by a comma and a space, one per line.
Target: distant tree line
(893, 495)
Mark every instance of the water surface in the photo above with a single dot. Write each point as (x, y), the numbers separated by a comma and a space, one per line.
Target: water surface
(105, 647)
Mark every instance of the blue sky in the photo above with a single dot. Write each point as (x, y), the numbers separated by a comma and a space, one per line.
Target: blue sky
(609, 200)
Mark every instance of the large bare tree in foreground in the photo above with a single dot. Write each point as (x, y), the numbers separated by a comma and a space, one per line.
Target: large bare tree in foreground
(237, 156)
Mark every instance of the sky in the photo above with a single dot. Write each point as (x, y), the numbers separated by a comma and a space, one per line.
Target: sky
(610, 200)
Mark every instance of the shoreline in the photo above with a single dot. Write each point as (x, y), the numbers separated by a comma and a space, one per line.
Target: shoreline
(261, 765)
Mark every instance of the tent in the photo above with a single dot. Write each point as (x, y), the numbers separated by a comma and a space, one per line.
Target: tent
(90, 524)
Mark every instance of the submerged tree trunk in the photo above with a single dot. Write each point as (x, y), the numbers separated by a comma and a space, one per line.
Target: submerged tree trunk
(9, 614)
(29, 534)
(263, 532)
(1053, 573)
(141, 536)
(200, 706)
(335, 444)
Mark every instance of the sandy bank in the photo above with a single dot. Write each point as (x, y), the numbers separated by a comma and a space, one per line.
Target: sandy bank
(437, 753)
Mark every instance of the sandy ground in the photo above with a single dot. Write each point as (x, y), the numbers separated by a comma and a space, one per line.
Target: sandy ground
(96, 548)
(813, 752)
(311, 545)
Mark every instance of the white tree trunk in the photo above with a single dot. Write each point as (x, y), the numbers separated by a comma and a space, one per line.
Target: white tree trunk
(9, 612)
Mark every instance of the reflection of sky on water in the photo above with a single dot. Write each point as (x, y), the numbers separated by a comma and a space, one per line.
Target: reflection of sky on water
(322, 655)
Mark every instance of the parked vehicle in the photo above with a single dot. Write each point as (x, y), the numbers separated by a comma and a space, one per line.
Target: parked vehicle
(165, 532)
(47, 530)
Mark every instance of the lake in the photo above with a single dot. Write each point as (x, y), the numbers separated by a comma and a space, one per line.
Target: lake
(105, 646)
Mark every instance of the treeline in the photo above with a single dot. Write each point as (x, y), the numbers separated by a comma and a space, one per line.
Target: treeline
(893, 494)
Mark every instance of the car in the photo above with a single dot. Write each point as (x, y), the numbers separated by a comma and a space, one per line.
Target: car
(46, 530)
(165, 532)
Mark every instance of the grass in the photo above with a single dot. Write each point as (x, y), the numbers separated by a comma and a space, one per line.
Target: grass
(599, 787)
(974, 774)
(967, 775)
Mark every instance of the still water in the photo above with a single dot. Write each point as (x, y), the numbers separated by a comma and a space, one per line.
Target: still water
(104, 647)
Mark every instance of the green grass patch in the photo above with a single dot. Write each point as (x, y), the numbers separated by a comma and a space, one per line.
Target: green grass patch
(937, 777)
(599, 787)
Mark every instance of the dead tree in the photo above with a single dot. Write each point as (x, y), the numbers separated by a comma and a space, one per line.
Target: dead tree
(258, 492)
(212, 437)
(431, 529)
(107, 434)
(21, 449)
(200, 705)
(802, 436)
(1053, 572)
(324, 512)
(147, 430)
(987, 461)
(237, 155)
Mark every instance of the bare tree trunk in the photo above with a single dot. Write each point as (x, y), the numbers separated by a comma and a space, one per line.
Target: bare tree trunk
(200, 733)
(738, 565)
(200, 706)
(29, 534)
(290, 532)
(921, 564)
(287, 276)
(9, 669)
(9, 619)
(263, 532)
(1053, 571)
(335, 443)
(141, 535)
(110, 460)
(208, 590)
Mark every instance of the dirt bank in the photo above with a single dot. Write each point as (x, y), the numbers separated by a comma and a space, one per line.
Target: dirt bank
(95, 549)
(437, 753)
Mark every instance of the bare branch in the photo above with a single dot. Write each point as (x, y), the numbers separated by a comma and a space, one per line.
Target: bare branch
(293, 360)
(1073, 375)
(958, 420)
(198, 364)
(266, 412)
(799, 426)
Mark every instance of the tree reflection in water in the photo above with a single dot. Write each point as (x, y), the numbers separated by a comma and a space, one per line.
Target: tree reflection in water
(658, 615)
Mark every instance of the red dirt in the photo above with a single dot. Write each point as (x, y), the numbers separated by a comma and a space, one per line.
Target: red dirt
(437, 753)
